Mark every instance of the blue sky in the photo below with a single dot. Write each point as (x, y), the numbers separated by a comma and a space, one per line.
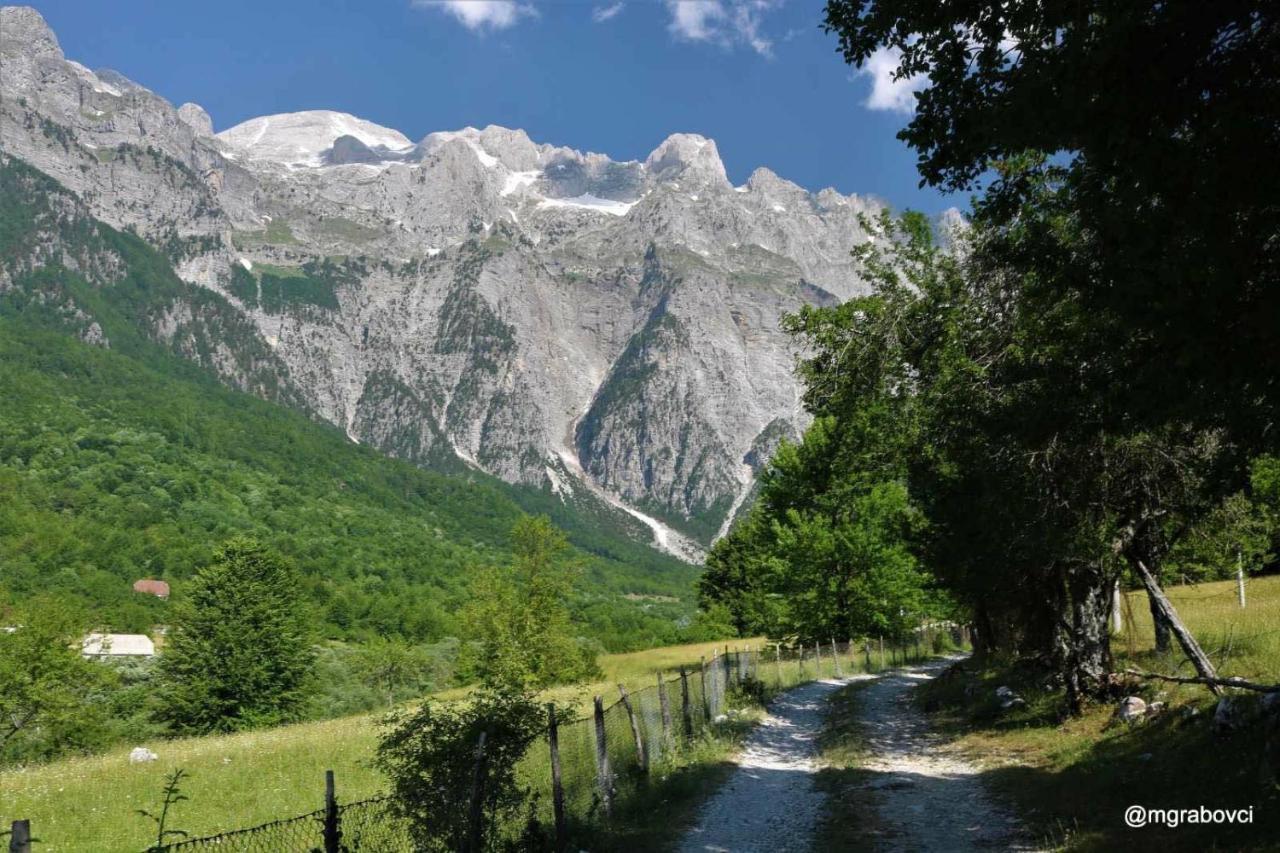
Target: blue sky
(615, 76)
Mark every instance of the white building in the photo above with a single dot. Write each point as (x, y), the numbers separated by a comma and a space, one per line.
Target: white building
(117, 646)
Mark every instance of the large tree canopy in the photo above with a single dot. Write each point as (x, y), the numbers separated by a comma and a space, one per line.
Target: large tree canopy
(1158, 123)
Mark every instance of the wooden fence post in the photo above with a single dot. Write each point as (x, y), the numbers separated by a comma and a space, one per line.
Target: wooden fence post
(664, 702)
(835, 658)
(706, 700)
(866, 650)
(475, 826)
(604, 778)
(641, 755)
(20, 837)
(880, 640)
(817, 659)
(777, 662)
(331, 830)
(557, 785)
(686, 711)
(718, 661)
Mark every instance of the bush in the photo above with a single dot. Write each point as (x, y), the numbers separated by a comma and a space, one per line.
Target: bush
(430, 758)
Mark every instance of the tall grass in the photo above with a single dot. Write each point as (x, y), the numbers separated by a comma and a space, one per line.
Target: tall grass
(1240, 641)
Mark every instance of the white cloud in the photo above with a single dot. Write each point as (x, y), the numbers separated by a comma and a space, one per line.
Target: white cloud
(479, 15)
(695, 20)
(887, 93)
(600, 14)
(723, 22)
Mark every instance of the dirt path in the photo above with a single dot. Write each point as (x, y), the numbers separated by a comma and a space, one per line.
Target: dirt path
(926, 799)
(770, 803)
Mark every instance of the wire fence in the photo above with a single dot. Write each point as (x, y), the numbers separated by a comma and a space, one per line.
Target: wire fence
(606, 759)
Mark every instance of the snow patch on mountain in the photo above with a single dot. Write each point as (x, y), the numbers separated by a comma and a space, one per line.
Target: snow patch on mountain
(302, 138)
(589, 202)
(518, 180)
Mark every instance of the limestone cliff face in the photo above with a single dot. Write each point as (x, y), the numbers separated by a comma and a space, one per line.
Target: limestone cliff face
(538, 312)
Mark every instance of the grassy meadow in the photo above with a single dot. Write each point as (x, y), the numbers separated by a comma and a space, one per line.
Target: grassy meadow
(90, 803)
(1239, 641)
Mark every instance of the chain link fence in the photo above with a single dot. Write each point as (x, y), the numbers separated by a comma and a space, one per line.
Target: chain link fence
(604, 758)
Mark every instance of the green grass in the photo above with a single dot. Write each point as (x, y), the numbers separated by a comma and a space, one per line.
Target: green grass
(340, 228)
(277, 233)
(1240, 641)
(1072, 778)
(88, 804)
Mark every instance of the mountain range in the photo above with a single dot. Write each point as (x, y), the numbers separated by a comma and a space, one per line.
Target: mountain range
(604, 331)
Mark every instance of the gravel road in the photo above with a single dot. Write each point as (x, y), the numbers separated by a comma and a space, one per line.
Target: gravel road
(926, 799)
(770, 802)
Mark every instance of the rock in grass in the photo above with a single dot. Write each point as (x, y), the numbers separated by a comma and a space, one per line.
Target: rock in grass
(141, 755)
(1131, 709)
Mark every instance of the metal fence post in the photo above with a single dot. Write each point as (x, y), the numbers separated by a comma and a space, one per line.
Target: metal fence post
(475, 825)
(641, 755)
(557, 785)
(20, 837)
(684, 700)
(603, 777)
(332, 830)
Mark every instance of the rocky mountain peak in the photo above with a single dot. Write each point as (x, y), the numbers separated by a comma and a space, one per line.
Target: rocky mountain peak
(687, 157)
(24, 30)
(196, 118)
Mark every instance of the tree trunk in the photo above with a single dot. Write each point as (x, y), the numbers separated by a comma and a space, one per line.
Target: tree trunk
(1204, 668)
(981, 634)
(1083, 643)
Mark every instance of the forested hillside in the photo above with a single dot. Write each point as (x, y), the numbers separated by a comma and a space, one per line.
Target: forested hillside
(121, 460)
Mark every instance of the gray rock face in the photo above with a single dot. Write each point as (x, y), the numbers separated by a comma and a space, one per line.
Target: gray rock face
(196, 118)
(542, 313)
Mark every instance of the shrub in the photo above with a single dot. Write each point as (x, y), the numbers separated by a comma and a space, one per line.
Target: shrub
(430, 758)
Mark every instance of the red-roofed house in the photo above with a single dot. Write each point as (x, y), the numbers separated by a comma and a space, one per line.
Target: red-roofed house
(159, 589)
